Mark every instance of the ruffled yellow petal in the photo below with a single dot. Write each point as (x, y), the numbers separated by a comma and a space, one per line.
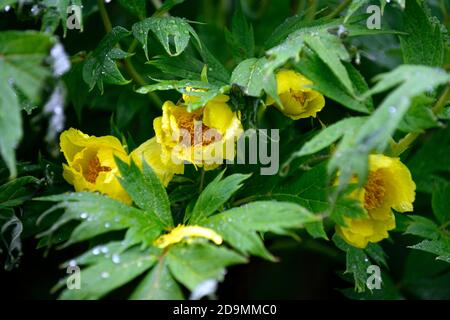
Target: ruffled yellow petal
(151, 151)
(91, 164)
(398, 182)
(218, 115)
(182, 232)
(297, 98)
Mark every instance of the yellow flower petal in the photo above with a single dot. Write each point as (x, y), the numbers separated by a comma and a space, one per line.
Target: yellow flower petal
(91, 165)
(297, 98)
(218, 115)
(182, 232)
(151, 151)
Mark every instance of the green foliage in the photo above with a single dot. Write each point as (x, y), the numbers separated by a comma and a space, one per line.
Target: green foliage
(21, 70)
(100, 67)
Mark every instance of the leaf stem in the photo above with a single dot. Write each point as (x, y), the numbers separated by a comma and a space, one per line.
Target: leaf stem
(407, 140)
(339, 9)
(104, 15)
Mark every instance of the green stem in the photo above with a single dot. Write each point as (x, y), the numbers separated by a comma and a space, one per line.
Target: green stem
(202, 180)
(104, 14)
(311, 11)
(337, 11)
(408, 140)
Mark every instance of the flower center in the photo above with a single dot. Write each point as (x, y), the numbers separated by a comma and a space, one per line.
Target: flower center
(374, 190)
(93, 169)
(194, 131)
(299, 96)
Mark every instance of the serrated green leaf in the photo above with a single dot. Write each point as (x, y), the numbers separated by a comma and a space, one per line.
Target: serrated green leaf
(100, 67)
(437, 247)
(422, 227)
(419, 116)
(56, 12)
(195, 263)
(166, 29)
(146, 190)
(215, 195)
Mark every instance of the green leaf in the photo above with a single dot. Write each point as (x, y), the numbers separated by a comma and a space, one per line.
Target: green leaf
(356, 261)
(425, 41)
(187, 67)
(419, 116)
(158, 285)
(376, 253)
(56, 12)
(99, 215)
(436, 151)
(106, 275)
(249, 75)
(166, 29)
(351, 156)
(21, 72)
(441, 203)
(329, 135)
(100, 67)
(316, 230)
(193, 264)
(326, 82)
(238, 226)
(215, 195)
(240, 39)
(136, 7)
(146, 190)
(331, 51)
(166, 6)
(437, 247)
(422, 227)
(203, 91)
(17, 191)
(354, 6)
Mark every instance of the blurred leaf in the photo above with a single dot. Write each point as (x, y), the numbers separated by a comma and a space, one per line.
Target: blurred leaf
(215, 195)
(21, 69)
(17, 191)
(167, 5)
(100, 66)
(240, 39)
(136, 7)
(419, 116)
(78, 91)
(354, 6)
(166, 29)
(146, 190)
(195, 263)
(441, 203)
(56, 12)
(10, 233)
(424, 43)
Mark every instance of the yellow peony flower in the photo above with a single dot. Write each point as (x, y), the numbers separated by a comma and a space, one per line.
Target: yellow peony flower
(203, 137)
(298, 99)
(151, 152)
(90, 163)
(389, 185)
(182, 232)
